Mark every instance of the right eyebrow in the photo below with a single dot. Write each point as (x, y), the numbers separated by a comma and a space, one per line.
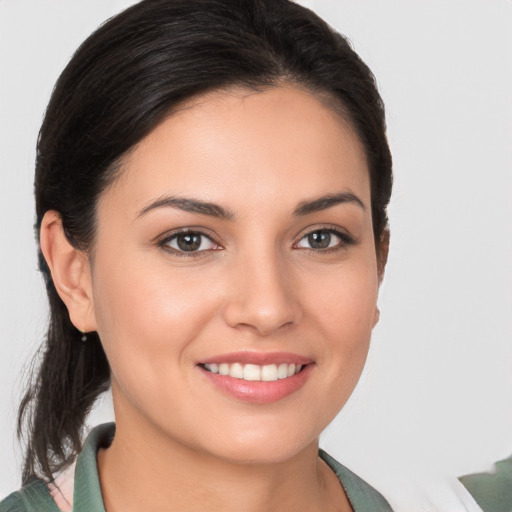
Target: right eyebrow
(188, 205)
(322, 203)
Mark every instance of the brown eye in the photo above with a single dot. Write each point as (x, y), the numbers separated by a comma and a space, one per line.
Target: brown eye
(189, 242)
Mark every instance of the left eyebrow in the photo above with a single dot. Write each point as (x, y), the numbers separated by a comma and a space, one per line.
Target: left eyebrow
(189, 205)
(324, 202)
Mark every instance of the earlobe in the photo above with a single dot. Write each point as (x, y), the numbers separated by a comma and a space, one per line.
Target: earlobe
(70, 271)
(376, 316)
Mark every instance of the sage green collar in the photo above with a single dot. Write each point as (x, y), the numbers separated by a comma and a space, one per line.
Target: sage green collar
(362, 496)
(87, 491)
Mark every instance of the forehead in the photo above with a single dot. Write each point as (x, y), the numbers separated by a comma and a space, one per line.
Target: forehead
(280, 144)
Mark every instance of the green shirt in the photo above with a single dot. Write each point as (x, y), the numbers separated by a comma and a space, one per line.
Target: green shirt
(492, 491)
(87, 492)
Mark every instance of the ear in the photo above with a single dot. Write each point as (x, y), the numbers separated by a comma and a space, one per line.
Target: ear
(382, 254)
(382, 259)
(70, 271)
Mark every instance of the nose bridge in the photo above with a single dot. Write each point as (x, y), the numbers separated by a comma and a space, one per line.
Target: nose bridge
(262, 295)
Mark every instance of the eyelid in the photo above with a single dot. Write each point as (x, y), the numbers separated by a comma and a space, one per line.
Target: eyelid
(187, 229)
(345, 237)
(166, 237)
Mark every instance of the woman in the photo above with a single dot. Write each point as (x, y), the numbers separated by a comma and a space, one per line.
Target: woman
(211, 185)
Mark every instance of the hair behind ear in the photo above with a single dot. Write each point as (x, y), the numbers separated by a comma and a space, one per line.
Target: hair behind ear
(71, 377)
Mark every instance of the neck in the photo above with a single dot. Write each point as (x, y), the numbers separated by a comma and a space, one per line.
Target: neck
(145, 470)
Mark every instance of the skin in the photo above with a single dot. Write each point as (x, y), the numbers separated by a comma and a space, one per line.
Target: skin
(258, 285)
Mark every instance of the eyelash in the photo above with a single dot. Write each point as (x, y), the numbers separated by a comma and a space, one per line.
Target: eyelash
(164, 243)
(345, 240)
(344, 237)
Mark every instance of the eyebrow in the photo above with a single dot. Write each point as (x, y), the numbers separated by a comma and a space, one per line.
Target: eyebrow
(214, 210)
(324, 202)
(189, 205)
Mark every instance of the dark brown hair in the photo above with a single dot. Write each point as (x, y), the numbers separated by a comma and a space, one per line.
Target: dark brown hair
(120, 84)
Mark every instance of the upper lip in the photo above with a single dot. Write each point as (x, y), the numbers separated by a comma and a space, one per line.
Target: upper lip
(259, 358)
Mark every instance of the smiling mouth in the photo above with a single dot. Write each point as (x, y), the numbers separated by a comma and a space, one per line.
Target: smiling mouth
(254, 372)
(258, 378)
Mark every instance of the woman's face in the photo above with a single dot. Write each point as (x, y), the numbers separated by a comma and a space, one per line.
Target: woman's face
(238, 239)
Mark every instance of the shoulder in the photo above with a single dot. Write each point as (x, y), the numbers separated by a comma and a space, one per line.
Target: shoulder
(492, 491)
(33, 497)
(362, 496)
(13, 503)
(38, 496)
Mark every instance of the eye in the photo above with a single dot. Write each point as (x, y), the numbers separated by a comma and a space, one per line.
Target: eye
(322, 239)
(188, 242)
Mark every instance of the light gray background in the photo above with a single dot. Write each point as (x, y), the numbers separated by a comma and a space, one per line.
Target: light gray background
(436, 396)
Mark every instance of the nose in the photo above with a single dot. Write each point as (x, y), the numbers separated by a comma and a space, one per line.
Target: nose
(263, 296)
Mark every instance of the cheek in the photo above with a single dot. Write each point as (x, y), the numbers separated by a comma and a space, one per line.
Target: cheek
(345, 298)
(344, 314)
(144, 312)
(339, 308)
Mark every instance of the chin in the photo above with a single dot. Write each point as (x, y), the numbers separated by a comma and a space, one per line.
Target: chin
(272, 445)
(260, 454)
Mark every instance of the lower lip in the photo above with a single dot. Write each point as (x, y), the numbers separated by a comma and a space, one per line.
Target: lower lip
(259, 392)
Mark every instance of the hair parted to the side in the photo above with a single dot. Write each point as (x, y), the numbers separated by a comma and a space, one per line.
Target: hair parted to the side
(120, 84)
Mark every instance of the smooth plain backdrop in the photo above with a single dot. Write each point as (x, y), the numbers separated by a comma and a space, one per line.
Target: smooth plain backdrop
(436, 395)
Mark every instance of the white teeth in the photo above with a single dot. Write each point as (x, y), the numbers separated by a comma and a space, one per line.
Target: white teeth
(237, 371)
(254, 372)
(282, 371)
(269, 372)
(214, 368)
